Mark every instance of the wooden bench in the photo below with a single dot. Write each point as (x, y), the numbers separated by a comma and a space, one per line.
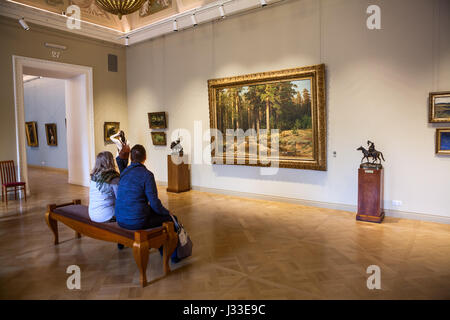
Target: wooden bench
(76, 216)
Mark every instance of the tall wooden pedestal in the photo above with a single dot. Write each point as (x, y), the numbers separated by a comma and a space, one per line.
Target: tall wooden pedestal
(179, 175)
(370, 195)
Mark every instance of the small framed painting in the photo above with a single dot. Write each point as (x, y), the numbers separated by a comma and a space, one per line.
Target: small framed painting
(439, 105)
(443, 141)
(110, 128)
(159, 138)
(31, 132)
(157, 120)
(50, 131)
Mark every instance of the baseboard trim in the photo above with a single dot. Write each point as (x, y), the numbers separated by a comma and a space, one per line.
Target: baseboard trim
(319, 204)
(47, 168)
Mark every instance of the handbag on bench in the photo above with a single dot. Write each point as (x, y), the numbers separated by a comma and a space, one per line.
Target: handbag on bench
(184, 246)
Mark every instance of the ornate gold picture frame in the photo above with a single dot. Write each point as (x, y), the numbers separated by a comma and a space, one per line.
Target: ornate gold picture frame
(157, 120)
(439, 106)
(159, 138)
(51, 133)
(32, 135)
(443, 141)
(109, 129)
(277, 118)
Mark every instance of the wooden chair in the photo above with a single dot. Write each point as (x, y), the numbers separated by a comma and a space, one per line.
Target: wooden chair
(8, 175)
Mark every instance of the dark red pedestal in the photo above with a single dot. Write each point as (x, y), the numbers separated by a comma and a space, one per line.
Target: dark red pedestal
(370, 195)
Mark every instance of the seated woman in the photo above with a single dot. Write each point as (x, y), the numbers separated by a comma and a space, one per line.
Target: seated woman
(103, 188)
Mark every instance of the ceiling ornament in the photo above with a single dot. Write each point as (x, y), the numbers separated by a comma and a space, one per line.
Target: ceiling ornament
(120, 7)
(89, 7)
(153, 6)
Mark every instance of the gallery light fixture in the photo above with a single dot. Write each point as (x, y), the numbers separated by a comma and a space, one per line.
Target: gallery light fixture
(222, 11)
(175, 25)
(24, 24)
(127, 40)
(218, 5)
(194, 20)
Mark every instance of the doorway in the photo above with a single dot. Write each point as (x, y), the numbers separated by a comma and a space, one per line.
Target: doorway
(45, 119)
(79, 115)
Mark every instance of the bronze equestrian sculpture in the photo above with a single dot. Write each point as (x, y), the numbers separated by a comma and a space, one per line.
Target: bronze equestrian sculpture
(371, 153)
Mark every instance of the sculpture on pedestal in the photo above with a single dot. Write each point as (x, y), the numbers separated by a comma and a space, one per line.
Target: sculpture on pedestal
(370, 185)
(371, 152)
(177, 148)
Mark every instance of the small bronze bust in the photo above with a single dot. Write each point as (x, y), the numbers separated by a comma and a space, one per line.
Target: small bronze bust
(371, 152)
(177, 149)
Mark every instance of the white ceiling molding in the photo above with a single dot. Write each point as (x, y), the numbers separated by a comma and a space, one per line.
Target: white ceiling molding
(203, 14)
(57, 21)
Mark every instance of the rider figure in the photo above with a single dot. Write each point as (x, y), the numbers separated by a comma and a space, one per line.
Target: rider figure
(371, 146)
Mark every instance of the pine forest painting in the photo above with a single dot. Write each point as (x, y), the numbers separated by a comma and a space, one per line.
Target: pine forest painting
(285, 107)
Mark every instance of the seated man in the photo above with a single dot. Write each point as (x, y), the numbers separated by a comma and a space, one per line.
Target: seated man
(137, 203)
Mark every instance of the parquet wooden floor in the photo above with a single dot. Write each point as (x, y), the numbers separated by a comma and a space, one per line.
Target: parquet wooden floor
(243, 249)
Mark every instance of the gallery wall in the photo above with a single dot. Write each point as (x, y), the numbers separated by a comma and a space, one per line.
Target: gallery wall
(44, 102)
(377, 85)
(109, 87)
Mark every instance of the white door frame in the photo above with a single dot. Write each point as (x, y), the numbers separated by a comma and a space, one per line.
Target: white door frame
(67, 71)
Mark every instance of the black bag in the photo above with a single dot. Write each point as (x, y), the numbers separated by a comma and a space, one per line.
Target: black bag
(184, 246)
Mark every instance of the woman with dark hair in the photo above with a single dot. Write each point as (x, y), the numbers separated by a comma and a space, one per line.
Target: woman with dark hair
(103, 188)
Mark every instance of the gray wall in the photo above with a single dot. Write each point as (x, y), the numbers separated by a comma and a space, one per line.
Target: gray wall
(377, 88)
(44, 101)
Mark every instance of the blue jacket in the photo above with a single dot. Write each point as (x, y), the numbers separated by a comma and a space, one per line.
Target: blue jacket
(137, 189)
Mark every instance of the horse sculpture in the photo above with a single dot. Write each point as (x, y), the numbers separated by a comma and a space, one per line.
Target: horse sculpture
(371, 153)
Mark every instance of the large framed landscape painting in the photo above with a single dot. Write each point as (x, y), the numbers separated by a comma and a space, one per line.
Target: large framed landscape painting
(439, 104)
(273, 118)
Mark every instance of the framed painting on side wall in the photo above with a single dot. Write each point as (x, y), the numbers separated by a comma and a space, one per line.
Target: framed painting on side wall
(109, 129)
(50, 131)
(439, 106)
(273, 118)
(159, 138)
(32, 135)
(157, 120)
(443, 141)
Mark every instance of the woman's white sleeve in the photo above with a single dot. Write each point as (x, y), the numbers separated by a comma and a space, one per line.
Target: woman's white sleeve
(116, 141)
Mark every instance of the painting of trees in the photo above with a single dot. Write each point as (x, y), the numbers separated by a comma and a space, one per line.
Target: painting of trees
(285, 106)
(270, 117)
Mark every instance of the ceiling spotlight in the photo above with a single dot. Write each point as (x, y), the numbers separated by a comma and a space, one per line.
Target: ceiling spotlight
(175, 25)
(263, 3)
(127, 40)
(194, 21)
(24, 24)
(222, 12)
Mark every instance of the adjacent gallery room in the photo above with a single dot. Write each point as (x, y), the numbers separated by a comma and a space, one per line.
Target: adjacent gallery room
(225, 149)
